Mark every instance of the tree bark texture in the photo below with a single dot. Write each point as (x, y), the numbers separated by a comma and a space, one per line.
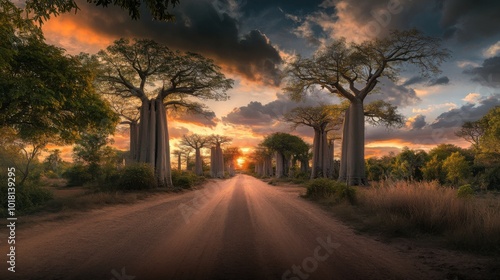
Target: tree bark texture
(216, 162)
(153, 141)
(353, 146)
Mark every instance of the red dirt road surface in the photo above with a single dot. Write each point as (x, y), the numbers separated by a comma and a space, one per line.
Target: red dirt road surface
(239, 228)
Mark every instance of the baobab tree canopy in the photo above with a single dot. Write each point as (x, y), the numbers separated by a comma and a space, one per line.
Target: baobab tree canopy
(352, 71)
(145, 71)
(285, 146)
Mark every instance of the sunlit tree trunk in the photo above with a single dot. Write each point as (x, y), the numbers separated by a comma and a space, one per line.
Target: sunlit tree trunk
(216, 162)
(153, 140)
(134, 141)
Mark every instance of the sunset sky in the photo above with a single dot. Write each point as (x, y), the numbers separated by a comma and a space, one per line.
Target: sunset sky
(252, 40)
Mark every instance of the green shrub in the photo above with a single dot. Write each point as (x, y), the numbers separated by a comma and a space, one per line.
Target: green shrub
(343, 191)
(185, 179)
(139, 176)
(320, 188)
(28, 197)
(465, 191)
(77, 175)
(323, 188)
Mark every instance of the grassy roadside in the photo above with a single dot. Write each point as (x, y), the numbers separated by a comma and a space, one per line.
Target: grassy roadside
(423, 210)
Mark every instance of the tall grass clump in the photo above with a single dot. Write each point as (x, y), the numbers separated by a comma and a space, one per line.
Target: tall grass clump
(427, 207)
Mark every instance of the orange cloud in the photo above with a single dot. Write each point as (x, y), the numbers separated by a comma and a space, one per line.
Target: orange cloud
(64, 31)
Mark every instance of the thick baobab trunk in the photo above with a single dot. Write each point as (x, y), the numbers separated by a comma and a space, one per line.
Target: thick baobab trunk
(280, 165)
(343, 154)
(331, 164)
(324, 154)
(354, 140)
(153, 140)
(304, 166)
(216, 162)
(268, 167)
(321, 163)
(134, 142)
(198, 170)
(213, 163)
(220, 162)
(316, 154)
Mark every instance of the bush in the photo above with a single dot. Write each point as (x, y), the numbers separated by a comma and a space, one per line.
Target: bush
(77, 175)
(28, 197)
(320, 188)
(185, 179)
(139, 176)
(465, 191)
(323, 188)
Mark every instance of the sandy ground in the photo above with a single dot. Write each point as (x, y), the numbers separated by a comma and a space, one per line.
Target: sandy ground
(239, 228)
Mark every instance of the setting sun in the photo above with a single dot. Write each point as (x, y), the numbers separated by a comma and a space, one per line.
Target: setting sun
(240, 161)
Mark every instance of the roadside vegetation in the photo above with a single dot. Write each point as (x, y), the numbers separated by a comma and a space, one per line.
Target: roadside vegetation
(448, 193)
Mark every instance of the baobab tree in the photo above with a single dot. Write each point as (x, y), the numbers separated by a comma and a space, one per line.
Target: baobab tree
(352, 71)
(178, 154)
(157, 77)
(285, 146)
(263, 161)
(216, 156)
(197, 142)
(322, 119)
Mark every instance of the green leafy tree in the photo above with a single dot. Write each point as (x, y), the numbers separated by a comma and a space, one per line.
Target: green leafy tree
(322, 119)
(352, 71)
(45, 93)
(156, 76)
(456, 167)
(433, 170)
(285, 147)
(409, 163)
(90, 150)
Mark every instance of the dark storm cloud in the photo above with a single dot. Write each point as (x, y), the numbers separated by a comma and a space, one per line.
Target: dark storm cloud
(444, 80)
(463, 20)
(418, 122)
(199, 27)
(414, 80)
(468, 112)
(469, 20)
(488, 74)
(439, 81)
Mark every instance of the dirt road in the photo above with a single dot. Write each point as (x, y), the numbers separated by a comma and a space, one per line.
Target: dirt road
(239, 228)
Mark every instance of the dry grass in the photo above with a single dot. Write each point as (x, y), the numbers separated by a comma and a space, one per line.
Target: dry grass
(402, 208)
